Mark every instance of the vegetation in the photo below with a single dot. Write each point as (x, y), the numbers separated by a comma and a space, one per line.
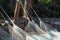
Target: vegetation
(47, 8)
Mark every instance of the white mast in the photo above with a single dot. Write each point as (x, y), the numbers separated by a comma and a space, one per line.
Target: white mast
(16, 13)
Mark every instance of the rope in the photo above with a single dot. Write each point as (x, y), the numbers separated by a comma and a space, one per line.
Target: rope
(6, 14)
(23, 8)
(2, 16)
(27, 10)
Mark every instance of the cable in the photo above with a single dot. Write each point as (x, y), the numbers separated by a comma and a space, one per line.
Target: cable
(2, 16)
(6, 14)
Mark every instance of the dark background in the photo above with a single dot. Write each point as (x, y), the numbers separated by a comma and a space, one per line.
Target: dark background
(44, 8)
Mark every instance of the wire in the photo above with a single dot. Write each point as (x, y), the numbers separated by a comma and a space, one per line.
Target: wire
(2, 16)
(6, 14)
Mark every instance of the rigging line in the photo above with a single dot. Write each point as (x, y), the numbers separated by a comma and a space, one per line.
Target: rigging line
(28, 13)
(6, 14)
(26, 10)
(8, 17)
(2, 16)
(22, 5)
(35, 12)
(38, 17)
(23, 8)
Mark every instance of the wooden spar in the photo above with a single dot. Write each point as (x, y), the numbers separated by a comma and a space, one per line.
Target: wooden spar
(16, 12)
(25, 16)
(27, 10)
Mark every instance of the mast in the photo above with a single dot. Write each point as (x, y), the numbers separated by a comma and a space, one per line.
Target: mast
(27, 11)
(16, 12)
(27, 8)
(25, 15)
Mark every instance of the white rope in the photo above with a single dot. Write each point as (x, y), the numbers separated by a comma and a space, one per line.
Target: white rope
(2, 16)
(5, 13)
